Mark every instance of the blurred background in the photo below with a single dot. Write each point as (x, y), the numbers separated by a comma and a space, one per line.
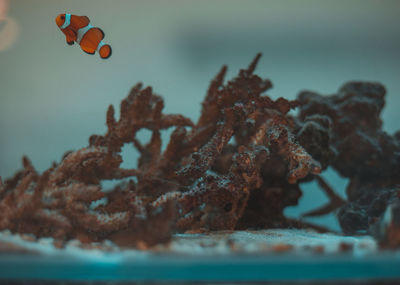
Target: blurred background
(54, 96)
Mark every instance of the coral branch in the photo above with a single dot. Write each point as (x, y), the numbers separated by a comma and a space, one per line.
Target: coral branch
(335, 200)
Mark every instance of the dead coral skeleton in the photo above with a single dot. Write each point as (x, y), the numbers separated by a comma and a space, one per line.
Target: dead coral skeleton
(238, 167)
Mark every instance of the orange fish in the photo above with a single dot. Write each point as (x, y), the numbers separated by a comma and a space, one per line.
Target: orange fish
(77, 29)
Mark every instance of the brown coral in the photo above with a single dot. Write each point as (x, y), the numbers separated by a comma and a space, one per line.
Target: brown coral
(238, 167)
(359, 149)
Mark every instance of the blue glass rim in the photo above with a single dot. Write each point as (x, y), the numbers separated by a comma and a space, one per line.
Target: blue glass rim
(168, 267)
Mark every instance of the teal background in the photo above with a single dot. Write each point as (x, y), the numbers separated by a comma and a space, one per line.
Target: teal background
(173, 268)
(54, 96)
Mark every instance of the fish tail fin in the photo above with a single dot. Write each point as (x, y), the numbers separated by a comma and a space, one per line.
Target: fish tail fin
(105, 51)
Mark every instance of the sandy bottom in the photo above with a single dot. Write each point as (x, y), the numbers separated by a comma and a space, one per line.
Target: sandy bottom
(237, 256)
(216, 243)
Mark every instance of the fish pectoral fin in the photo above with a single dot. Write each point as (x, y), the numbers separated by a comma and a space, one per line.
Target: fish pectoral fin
(74, 36)
(71, 36)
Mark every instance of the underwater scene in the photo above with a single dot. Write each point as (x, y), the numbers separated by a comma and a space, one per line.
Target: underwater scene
(199, 142)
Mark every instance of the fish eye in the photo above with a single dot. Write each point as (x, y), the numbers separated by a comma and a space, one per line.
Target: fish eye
(62, 17)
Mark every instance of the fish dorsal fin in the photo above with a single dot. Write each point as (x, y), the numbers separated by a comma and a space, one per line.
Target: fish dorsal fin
(79, 22)
(85, 20)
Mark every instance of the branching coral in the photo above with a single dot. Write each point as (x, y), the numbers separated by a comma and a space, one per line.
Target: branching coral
(238, 167)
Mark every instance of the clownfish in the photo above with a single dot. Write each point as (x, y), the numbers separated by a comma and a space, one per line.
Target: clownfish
(77, 29)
